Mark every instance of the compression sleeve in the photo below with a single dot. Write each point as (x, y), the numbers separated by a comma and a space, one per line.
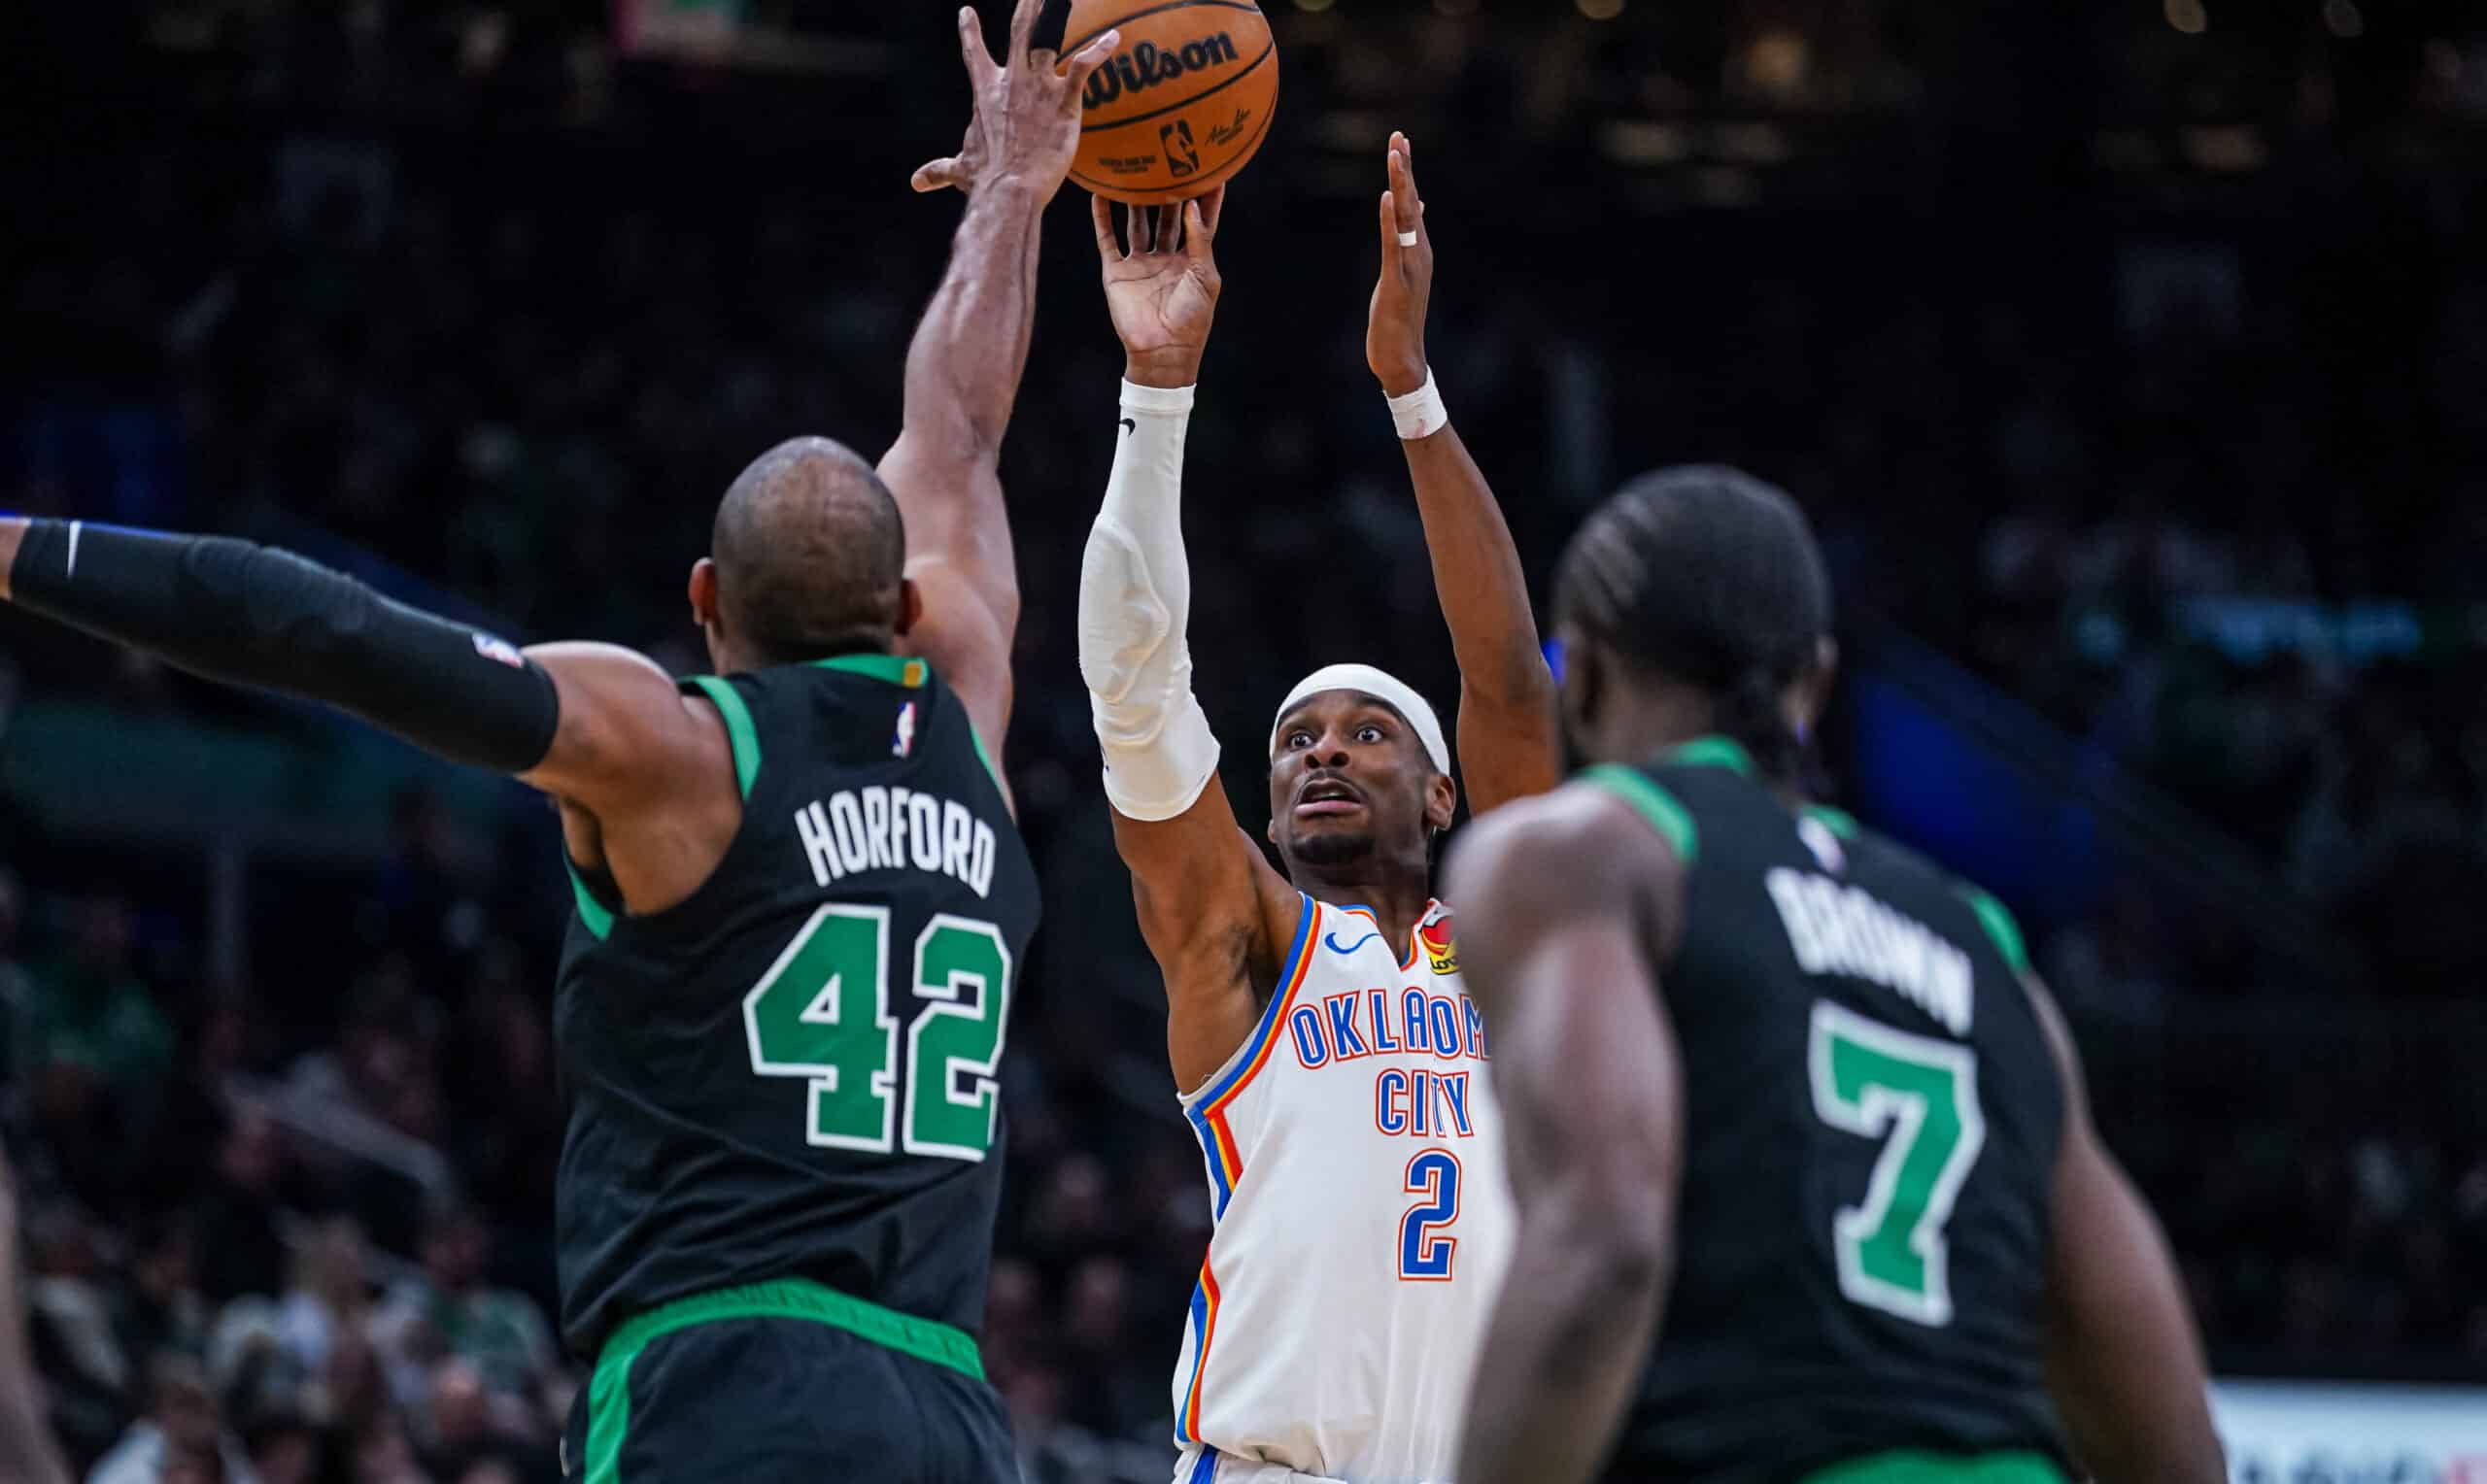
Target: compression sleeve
(1135, 603)
(249, 616)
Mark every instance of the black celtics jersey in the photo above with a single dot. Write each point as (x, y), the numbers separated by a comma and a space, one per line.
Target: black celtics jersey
(1872, 1113)
(792, 1073)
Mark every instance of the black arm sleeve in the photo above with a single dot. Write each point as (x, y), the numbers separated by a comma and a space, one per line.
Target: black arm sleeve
(249, 616)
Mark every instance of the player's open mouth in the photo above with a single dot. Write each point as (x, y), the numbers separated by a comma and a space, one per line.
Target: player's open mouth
(1326, 796)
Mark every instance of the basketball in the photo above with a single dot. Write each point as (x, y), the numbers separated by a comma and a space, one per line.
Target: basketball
(1185, 103)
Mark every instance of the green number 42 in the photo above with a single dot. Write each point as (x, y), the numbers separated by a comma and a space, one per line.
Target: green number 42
(1919, 1097)
(822, 1013)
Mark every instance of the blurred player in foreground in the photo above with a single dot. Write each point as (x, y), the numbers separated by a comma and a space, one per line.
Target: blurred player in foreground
(775, 1209)
(1786, 1077)
(1325, 1052)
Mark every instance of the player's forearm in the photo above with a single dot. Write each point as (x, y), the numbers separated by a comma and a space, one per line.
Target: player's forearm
(1563, 1351)
(249, 616)
(1478, 577)
(970, 349)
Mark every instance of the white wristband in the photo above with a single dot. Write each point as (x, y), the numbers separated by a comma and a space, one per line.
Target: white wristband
(1420, 414)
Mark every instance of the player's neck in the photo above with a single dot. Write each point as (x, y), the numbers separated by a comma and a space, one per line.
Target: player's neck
(1396, 897)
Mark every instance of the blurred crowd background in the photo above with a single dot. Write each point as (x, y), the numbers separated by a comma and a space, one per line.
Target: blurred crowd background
(2131, 358)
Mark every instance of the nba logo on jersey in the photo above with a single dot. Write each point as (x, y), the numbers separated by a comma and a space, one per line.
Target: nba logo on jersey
(905, 742)
(1825, 845)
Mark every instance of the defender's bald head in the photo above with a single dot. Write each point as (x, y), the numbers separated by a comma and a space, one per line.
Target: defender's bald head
(810, 554)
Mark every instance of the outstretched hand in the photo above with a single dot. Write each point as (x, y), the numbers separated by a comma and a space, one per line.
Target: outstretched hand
(1026, 124)
(1163, 291)
(1394, 337)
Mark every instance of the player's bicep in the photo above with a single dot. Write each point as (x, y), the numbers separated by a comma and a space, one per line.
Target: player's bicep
(966, 640)
(1209, 907)
(959, 556)
(623, 726)
(2124, 1360)
(1508, 750)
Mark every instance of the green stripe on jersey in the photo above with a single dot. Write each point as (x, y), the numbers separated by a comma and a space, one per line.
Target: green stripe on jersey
(1911, 1467)
(897, 669)
(1999, 926)
(1712, 751)
(739, 731)
(608, 1415)
(1653, 803)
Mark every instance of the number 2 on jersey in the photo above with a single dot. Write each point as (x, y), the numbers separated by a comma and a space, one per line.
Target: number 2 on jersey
(822, 1013)
(1425, 1253)
(1919, 1095)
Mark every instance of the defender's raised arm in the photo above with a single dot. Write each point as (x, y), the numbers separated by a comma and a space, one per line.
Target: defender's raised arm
(1508, 744)
(964, 368)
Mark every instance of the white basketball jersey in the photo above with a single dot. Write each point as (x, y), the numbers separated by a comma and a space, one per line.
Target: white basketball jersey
(1363, 1221)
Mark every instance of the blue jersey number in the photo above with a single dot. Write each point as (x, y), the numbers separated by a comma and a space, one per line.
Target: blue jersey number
(1425, 1253)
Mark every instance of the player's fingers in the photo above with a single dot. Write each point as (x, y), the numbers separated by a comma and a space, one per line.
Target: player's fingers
(1023, 30)
(1392, 242)
(1403, 180)
(1088, 58)
(1213, 210)
(971, 46)
(1144, 229)
(936, 175)
(1100, 215)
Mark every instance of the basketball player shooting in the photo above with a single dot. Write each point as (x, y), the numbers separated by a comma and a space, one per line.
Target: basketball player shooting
(775, 1212)
(1786, 1078)
(1325, 1052)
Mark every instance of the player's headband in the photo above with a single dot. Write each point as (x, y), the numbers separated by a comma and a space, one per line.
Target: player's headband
(1380, 685)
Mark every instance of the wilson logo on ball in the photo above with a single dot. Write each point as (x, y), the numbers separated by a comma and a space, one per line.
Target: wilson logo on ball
(1144, 67)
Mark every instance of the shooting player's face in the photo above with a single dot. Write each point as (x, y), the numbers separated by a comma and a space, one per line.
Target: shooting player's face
(1350, 779)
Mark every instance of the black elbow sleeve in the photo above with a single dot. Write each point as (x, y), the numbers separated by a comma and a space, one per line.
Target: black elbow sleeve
(240, 613)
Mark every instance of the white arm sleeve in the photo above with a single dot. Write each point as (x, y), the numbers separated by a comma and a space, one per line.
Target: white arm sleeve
(1134, 602)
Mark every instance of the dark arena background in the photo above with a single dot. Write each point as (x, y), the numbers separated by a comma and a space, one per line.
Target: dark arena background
(2130, 358)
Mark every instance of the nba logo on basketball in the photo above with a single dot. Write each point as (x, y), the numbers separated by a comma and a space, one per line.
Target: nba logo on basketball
(1181, 158)
(1440, 951)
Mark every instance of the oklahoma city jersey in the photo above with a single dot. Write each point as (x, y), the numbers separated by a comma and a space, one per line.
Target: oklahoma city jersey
(1363, 1222)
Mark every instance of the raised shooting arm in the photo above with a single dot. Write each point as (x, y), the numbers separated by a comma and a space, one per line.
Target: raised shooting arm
(1509, 745)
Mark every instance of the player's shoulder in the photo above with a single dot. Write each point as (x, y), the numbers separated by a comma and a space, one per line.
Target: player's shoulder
(1912, 870)
(1561, 845)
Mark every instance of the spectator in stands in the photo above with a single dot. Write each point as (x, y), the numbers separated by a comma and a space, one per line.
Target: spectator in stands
(94, 1014)
(239, 1214)
(181, 1422)
(69, 1310)
(159, 1307)
(447, 1312)
(325, 1310)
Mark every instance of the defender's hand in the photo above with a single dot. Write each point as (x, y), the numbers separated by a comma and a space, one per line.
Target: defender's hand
(1026, 124)
(1394, 337)
(1163, 291)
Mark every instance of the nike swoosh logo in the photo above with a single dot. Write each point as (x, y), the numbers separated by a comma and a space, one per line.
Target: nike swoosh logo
(1131, 424)
(1333, 940)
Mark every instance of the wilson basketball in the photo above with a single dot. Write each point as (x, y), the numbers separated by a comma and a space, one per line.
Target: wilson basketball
(1185, 103)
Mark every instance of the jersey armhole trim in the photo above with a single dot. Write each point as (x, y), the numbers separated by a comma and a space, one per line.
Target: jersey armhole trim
(739, 731)
(598, 917)
(2000, 925)
(1239, 1067)
(1652, 802)
(986, 758)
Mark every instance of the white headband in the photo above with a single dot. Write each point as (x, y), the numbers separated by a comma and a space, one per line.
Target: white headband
(1380, 685)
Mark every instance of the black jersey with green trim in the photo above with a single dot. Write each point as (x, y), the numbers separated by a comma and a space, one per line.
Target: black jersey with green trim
(793, 1073)
(1872, 1114)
